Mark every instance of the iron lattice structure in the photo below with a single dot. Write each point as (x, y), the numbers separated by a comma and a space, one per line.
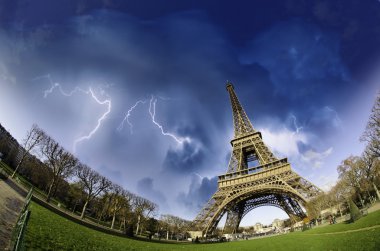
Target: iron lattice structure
(254, 178)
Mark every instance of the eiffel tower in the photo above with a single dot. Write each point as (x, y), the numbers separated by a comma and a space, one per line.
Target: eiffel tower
(254, 178)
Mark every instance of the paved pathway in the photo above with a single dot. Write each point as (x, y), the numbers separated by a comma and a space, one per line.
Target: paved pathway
(10, 205)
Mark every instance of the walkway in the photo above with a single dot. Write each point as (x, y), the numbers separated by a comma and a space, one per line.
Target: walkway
(11, 203)
(348, 231)
(374, 207)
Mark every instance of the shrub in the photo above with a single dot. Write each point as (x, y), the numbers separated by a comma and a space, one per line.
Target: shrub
(354, 211)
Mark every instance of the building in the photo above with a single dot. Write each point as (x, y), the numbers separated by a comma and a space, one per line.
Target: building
(258, 227)
(278, 223)
(332, 210)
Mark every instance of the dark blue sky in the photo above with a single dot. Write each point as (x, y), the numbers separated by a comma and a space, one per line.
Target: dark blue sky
(305, 71)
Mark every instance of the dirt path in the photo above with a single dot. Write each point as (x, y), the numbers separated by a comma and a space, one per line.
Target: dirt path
(374, 207)
(10, 205)
(349, 231)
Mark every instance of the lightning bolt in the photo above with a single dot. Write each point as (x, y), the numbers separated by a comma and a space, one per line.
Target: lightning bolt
(152, 112)
(337, 121)
(197, 174)
(295, 123)
(126, 118)
(106, 102)
(109, 106)
(67, 94)
(57, 85)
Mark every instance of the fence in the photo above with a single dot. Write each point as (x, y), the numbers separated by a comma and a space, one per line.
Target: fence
(19, 230)
(21, 185)
(3, 171)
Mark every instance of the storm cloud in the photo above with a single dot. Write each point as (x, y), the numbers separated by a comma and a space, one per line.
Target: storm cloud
(292, 73)
(200, 191)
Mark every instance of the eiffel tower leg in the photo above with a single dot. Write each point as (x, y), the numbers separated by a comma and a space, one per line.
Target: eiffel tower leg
(234, 216)
(291, 207)
(297, 208)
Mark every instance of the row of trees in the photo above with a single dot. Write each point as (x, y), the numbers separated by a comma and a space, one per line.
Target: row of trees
(95, 195)
(359, 176)
(174, 227)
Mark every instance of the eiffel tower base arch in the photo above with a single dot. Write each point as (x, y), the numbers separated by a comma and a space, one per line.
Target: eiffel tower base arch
(239, 202)
(238, 209)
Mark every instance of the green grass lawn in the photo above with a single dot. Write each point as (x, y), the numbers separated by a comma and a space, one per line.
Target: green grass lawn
(48, 231)
(371, 219)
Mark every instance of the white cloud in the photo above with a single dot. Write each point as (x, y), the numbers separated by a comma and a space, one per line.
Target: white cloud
(316, 158)
(326, 182)
(5, 75)
(284, 141)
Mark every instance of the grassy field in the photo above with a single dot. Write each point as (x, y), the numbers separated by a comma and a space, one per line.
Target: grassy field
(48, 231)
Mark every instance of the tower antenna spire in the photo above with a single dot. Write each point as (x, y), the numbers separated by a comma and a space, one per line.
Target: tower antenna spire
(242, 124)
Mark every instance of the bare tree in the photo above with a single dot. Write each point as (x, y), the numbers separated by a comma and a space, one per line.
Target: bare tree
(138, 205)
(351, 172)
(372, 132)
(371, 169)
(61, 162)
(103, 204)
(175, 225)
(143, 209)
(93, 184)
(116, 201)
(75, 195)
(33, 138)
(340, 193)
(126, 211)
(316, 205)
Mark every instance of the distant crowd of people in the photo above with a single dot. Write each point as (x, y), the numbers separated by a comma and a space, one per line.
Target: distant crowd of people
(332, 219)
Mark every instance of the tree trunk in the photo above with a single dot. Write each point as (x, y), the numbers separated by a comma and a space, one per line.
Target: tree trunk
(361, 200)
(113, 219)
(84, 209)
(55, 188)
(125, 223)
(138, 225)
(18, 165)
(376, 190)
(50, 190)
(340, 210)
(101, 215)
